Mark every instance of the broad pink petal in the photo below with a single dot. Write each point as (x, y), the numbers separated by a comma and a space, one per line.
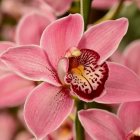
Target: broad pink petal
(30, 28)
(4, 45)
(129, 113)
(103, 4)
(101, 125)
(131, 56)
(13, 90)
(62, 35)
(59, 6)
(122, 85)
(105, 37)
(30, 62)
(46, 108)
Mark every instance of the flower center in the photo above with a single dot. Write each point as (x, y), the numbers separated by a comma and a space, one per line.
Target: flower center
(85, 76)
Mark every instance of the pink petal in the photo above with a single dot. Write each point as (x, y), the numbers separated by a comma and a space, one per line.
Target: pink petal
(8, 126)
(131, 56)
(30, 28)
(46, 108)
(13, 90)
(101, 125)
(116, 57)
(62, 68)
(59, 6)
(30, 62)
(62, 35)
(85, 76)
(104, 38)
(129, 113)
(122, 85)
(103, 4)
(4, 45)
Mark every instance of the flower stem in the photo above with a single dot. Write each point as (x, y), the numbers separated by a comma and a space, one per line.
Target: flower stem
(79, 129)
(85, 7)
(112, 13)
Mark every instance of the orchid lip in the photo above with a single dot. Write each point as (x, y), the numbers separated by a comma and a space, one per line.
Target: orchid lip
(85, 77)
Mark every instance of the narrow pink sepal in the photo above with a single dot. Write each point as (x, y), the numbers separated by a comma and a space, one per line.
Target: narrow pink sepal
(105, 37)
(122, 85)
(62, 35)
(62, 68)
(59, 6)
(13, 90)
(101, 125)
(129, 113)
(30, 28)
(131, 56)
(46, 108)
(30, 62)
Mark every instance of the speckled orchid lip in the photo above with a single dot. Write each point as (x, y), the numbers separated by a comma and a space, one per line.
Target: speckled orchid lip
(85, 76)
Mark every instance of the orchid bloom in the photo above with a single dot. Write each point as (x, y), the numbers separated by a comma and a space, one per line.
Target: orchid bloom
(71, 65)
(102, 125)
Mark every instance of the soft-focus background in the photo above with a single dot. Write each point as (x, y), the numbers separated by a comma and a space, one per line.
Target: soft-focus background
(13, 14)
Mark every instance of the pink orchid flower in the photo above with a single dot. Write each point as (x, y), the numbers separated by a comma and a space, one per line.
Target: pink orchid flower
(71, 64)
(102, 125)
